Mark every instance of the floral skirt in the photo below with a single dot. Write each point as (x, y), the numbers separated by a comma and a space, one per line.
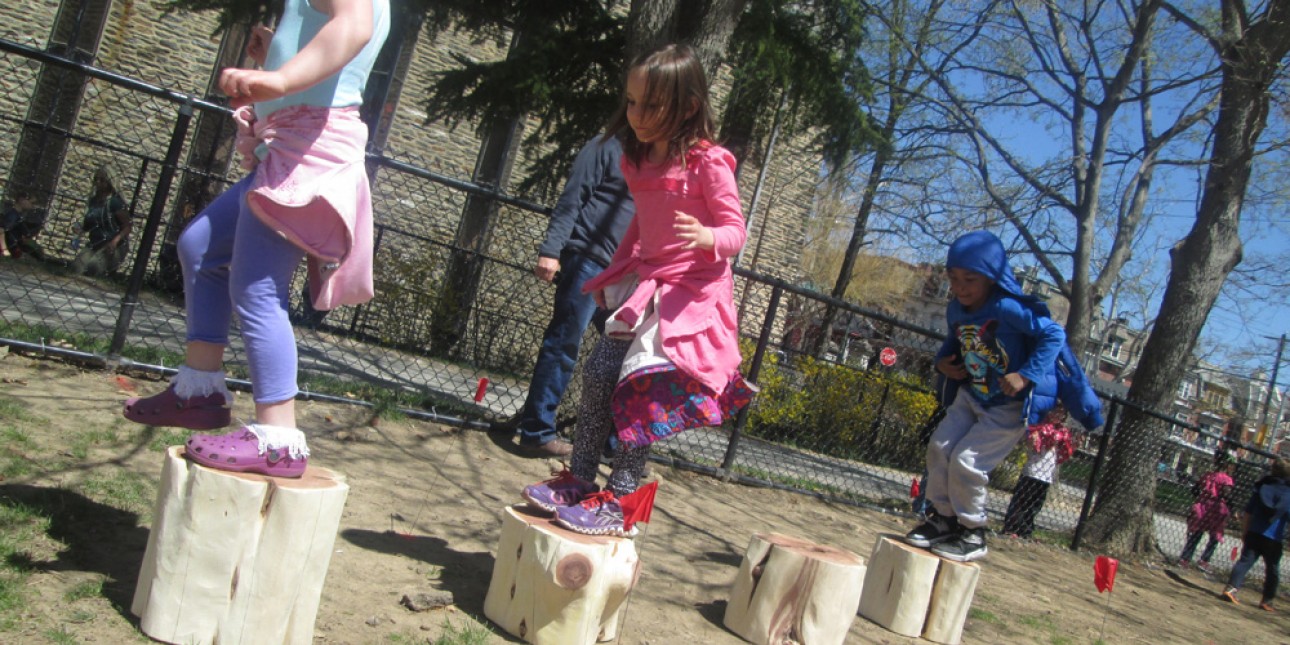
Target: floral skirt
(657, 402)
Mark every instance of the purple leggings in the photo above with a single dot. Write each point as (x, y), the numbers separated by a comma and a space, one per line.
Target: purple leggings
(233, 262)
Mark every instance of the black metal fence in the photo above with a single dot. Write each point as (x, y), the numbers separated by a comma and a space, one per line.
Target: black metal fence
(447, 315)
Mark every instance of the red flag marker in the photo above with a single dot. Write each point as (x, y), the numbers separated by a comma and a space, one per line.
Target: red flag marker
(1235, 551)
(637, 506)
(481, 389)
(914, 489)
(1104, 569)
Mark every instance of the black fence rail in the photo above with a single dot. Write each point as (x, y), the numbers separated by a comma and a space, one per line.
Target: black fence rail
(836, 423)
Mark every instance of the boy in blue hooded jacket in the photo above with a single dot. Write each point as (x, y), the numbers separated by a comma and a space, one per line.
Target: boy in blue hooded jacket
(1002, 346)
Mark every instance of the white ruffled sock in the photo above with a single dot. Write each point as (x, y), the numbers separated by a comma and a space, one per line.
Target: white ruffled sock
(278, 438)
(189, 383)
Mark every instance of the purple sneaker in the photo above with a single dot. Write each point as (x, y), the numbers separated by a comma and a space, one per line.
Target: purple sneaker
(563, 490)
(599, 514)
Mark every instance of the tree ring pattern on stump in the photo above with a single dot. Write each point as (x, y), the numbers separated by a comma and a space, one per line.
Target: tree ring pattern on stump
(573, 571)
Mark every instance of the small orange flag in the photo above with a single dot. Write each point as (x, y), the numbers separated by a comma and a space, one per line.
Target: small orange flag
(638, 505)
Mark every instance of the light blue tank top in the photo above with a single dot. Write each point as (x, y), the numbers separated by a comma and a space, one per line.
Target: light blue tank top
(300, 23)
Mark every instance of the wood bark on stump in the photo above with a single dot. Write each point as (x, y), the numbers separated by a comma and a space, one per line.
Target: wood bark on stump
(237, 558)
(790, 590)
(552, 586)
(914, 592)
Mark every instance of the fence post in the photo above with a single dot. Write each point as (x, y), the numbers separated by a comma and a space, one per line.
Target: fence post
(168, 168)
(1111, 418)
(754, 369)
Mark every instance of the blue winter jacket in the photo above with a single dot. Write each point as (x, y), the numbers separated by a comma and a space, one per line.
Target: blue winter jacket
(1041, 354)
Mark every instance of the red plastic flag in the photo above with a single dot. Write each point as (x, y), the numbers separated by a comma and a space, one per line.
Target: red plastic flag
(481, 389)
(1235, 551)
(1104, 573)
(914, 489)
(638, 505)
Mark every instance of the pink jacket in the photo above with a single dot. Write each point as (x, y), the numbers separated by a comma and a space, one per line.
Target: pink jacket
(697, 320)
(311, 187)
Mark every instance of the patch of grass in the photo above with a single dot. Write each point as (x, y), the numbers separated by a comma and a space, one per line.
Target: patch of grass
(20, 526)
(984, 616)
(126, 491)
(14, 435)
(16, 466)
(1053, 538)
(153, 356)
(167, 437)
(60, 636)
(87, 589)
(471, 634)
(15, 411)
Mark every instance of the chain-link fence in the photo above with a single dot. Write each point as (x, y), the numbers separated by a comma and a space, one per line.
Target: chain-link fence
(841, 415)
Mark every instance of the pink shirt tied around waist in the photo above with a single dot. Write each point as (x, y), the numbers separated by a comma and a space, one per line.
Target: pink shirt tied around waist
(695, 288)
(311, 187)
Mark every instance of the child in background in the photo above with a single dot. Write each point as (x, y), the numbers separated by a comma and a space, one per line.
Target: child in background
(1000, 342)
(1048, 445)
(1210, 511)
(300, 132)
(1264, 526)
(670, 357)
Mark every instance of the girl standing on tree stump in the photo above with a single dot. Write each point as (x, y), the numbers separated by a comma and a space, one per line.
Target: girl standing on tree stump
(670, 356)
(307, 196)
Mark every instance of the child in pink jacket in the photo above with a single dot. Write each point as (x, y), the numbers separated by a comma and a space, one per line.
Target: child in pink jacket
(670, 357)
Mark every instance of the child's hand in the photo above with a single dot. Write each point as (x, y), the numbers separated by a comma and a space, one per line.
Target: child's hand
(258, 45)
(599, 296)
(687, 227)
(952, 367)
(546, 269)
(246, 86)
(1013, 383)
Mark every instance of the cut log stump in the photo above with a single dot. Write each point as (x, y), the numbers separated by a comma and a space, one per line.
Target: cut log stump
(790, 590)
(237, 558)
(552, 586)
(913, 592)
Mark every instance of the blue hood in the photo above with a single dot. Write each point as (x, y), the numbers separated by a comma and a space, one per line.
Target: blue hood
(1274, 492)
(982, 252)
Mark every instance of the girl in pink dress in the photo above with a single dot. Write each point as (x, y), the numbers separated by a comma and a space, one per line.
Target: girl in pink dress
(1210, 512)
(670, 286)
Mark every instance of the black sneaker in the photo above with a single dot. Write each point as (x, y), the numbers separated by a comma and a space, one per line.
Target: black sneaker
(967, 546)
(935, 530)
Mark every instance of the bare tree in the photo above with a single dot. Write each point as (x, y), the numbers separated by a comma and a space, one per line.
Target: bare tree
(1252, 49)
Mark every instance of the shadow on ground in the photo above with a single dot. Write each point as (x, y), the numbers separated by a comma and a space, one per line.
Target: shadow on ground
(96, 538)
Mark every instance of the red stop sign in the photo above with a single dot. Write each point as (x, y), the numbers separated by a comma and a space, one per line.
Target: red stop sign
(887, 356)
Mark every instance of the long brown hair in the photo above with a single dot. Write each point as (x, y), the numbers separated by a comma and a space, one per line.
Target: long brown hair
(674, 81)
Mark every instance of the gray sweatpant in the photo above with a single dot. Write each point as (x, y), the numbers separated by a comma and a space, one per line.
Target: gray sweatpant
(969, 442)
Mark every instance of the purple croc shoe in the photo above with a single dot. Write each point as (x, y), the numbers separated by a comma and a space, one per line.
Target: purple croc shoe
(246, 450)
(168, 409)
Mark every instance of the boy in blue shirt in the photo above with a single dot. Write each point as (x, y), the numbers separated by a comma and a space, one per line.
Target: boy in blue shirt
(1001, 344)
(1266, 522)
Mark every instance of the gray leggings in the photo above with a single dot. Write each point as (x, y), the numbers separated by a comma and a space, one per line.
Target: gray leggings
(596, 421)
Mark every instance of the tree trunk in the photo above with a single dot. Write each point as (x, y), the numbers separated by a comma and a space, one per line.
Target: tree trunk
(1250, 58)
(914, 592)
(705, 25)
(791, 590)
(554, 586)
(235, 558)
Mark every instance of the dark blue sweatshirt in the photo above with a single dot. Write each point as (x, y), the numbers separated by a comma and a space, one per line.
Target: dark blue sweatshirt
(593, 211)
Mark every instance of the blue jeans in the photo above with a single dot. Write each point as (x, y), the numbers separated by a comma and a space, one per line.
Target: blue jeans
(559, 352)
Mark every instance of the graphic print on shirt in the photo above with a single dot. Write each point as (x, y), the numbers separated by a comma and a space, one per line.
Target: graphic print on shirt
(984, 358)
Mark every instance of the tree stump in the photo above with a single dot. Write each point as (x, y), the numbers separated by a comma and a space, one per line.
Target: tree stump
(552, 586)
(237, 558)
(790, 590)
(914, 592)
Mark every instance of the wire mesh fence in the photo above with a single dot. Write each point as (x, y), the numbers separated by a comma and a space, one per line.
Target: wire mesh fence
(842, 414)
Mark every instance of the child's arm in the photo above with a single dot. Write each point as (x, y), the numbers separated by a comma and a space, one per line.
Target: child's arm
(348, 29)
(1048, 338)
(727, 232)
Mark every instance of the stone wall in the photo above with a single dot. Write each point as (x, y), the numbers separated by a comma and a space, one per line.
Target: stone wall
(178, 52)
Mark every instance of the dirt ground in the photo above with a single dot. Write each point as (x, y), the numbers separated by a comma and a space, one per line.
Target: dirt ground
(423, 515)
